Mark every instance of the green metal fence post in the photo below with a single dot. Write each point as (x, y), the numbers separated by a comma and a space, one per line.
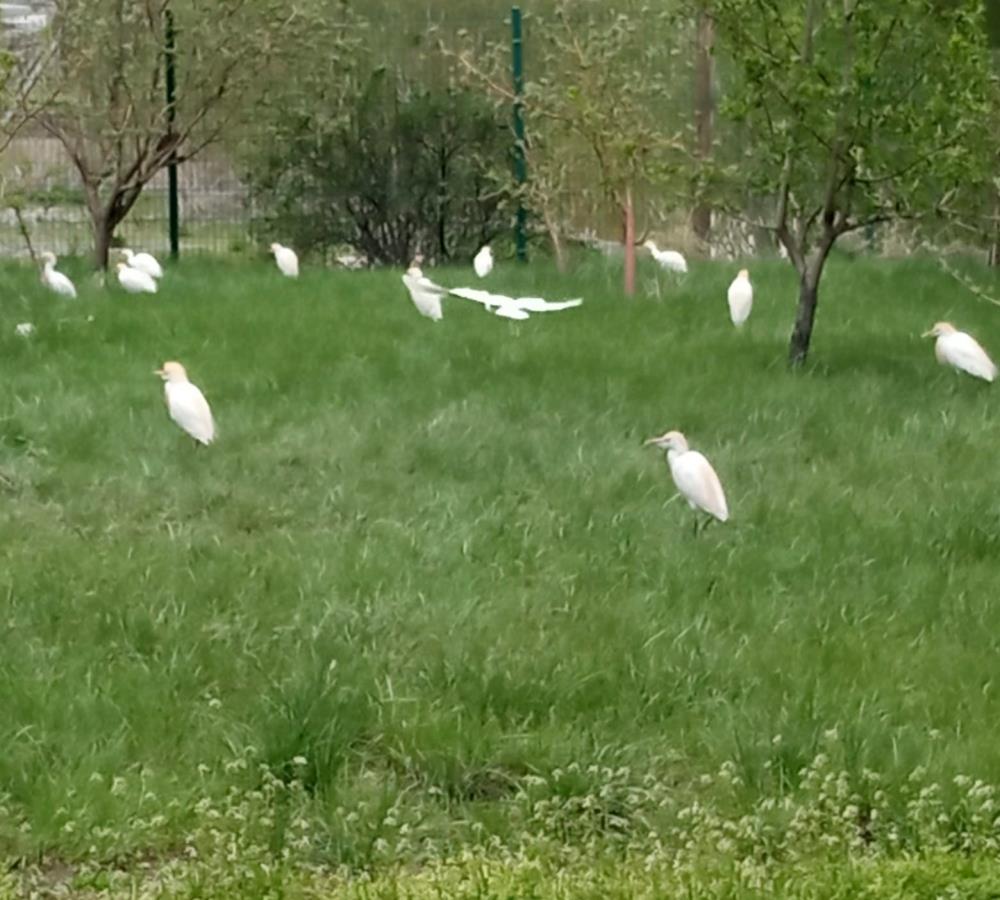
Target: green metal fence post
(520, 163)
(173, 200)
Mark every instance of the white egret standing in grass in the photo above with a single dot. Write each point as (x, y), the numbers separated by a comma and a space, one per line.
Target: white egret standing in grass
(24, 329)
(186, 403)
(53, 280)
(961, 351)
(740, 298)
(425, 294)
(286, 259)
(694, 476)
(670, 260)
(483, 263)
(144, 262)
(135, 281)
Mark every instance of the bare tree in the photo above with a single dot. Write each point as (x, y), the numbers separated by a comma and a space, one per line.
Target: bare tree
(109, 108)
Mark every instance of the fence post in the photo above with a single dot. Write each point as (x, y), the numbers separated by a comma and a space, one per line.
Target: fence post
(173, 200)
(520, 163)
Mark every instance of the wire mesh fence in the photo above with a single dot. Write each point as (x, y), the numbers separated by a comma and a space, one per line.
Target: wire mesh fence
(45, 208)
(43, 205)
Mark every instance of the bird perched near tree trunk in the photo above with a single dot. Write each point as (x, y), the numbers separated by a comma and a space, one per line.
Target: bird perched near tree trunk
(740, 298)
(286, 259)
(53, 280)
(135, 281)
(670, 260)
(694, 476)
(144, 262)
(186, 403)
(961, 351)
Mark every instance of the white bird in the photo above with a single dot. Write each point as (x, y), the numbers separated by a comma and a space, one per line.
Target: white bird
(186, 403)
(286, 259)
(425, 294)
(513, 307)
(53, 280)
(670, 260)
(740, 298)
(135, 281)
(483, 262)
(24, 329)
(961, 351)
(144, 262)
(694, 476)
(351, 260)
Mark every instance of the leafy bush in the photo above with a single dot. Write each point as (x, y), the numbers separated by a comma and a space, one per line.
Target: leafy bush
(401, 168)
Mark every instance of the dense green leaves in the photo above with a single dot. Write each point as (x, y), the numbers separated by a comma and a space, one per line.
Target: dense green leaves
(395, 169)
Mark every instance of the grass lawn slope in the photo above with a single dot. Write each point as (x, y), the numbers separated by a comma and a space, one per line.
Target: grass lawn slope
(428, 609)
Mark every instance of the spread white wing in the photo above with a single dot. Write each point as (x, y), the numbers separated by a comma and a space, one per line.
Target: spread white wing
(425, 294)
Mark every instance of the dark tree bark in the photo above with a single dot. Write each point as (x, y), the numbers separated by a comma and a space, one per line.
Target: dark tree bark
(704, 111)
(628, 213)
(810, 269)
(805, 316)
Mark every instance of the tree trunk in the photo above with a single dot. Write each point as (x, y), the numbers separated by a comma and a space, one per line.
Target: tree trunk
(994, 255)
(558, 249)
(628, 213)
(798, 349)
(704, 110)
(103, 232)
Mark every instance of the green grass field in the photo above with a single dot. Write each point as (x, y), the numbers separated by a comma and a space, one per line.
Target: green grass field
(428, 596)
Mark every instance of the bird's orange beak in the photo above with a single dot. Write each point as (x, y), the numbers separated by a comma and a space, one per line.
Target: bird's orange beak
(158, 372)
(649, 441)
(928, 334)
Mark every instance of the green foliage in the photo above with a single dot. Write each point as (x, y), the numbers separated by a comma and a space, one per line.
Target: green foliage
(107, 96)
(837, 117)
(597, 91)
(393, 169)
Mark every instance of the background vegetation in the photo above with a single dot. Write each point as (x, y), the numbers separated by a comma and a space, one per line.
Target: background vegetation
(427, 618)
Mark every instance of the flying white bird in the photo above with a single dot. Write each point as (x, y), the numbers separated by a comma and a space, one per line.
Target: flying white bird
(694, 476)
(483, 263)
(427, 296)
(186, 403)
(144, 262)
(286, 259)
(740, 298)
(670, 260)
(135, 281)
(513, 307)
(961, 351)
(24, 329)
(53, 280)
